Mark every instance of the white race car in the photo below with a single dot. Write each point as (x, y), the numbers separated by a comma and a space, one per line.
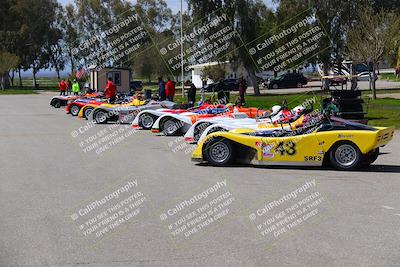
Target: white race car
(197, 129)
(146, 118)
(173, 124)
(202, 128)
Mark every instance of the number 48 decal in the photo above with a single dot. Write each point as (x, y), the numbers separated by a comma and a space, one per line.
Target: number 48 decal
(286, 148)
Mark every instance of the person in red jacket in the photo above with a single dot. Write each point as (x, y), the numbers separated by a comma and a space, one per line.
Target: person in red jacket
(111, 91)
(63, 87)
(170, 90)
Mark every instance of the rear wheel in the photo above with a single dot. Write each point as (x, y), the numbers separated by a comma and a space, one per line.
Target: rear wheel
(100, 117)
(146, 121)
(86, 112)
(345, 156)
(275, 86)
(219, 152)
(74, 110)
(299, 85)
(198, 131)
(216, 129)
(171, 127)
(56, 103)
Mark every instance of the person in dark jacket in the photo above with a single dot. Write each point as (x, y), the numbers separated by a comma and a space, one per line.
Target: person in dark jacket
(161, 89)
(219, 89)
(242, 90)
(191, 94)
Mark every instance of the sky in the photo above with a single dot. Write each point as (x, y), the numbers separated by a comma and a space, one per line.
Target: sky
(173, 4)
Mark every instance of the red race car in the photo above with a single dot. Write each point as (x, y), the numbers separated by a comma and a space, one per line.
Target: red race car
(146, 118)
(75, 106)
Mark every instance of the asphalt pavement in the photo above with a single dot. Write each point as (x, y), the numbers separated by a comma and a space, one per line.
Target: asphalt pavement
(72, 193)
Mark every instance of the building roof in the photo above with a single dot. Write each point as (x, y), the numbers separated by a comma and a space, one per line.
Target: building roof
(114, 68)
(200, 66)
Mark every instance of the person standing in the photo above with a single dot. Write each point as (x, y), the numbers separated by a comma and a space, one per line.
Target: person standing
(63, 87)
(170, 90)
(69, 86)
(161, 89)
(192, 94)
(76, 88)
(242, 90)
(111, 91)
(219, 89)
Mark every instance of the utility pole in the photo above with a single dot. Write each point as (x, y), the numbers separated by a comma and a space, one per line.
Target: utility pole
(183, 88)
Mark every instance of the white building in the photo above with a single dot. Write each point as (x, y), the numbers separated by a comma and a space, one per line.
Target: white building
(231, 72)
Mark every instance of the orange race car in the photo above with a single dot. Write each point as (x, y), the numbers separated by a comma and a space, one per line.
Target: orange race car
(179, 124)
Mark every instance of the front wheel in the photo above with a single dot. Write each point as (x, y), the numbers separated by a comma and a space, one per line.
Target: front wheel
(345, 156)
(86, 112)
(219, 152)
(146, 121)
(74, 110)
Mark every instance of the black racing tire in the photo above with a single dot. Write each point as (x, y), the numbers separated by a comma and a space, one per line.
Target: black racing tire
(74, 110)
(345, 156)
(217, 129)
(370, 157)
(87, 111)
(56, 103)
(147, 120)
(198, 131)
(170, 127)
(219, 152)
(100, 116)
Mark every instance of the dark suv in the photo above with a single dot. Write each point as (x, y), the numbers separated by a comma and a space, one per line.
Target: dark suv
(136, 85)
(288, 80)
(229, 85)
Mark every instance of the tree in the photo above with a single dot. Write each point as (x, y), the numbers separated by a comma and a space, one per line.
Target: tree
(246, 17)
(398, 59)
(8, 61)
(213, 72)
(70, 35)
(155, 14)
(372, 38)
(335, 16)
(145, 64)
(159, 23)
(54, 46)
(35, 22)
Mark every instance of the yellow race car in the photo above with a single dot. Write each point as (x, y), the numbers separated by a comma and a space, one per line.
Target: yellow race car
(344, 145)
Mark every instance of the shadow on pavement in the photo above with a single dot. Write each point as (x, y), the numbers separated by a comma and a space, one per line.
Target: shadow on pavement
(373, 168)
